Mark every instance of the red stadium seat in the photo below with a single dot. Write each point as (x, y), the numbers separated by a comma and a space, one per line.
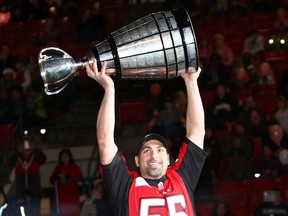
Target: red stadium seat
(266, 102)
(223, 169)
(257, 149)
(205, 208)
(207, 97)
(232, 190)
(278, 62)
(6, 131)
(254, 202)
(133, 112)
(239, 21)
(259, 185)
(239, 207)
(262, 20)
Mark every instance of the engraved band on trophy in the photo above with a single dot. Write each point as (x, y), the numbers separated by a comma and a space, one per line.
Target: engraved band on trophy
(161, 45)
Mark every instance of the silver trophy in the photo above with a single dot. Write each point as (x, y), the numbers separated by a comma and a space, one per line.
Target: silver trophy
(161, 46)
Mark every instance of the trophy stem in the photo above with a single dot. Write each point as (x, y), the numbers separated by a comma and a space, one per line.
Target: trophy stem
(80, 65)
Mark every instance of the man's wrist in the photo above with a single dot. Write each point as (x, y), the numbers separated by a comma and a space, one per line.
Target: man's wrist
(110, 90)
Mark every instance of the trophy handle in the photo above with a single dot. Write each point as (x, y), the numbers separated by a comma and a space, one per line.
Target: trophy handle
(57, 69)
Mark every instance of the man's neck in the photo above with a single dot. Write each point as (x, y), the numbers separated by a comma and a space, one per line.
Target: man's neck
(155, 182)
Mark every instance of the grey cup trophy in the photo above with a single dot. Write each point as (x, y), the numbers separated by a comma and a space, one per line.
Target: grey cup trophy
(161, 45)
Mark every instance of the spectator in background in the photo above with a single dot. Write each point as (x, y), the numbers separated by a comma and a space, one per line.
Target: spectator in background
(97, 203)
(214, 73)
(239, 166)
(16, 103)
(49, 34)
(19, 10)
(223, 109)
(7, 59)
(155, 104)
(248, 105)
(23, 75)
(168, 119)
(279, 31)
(62, 8)
(221, 47)
(92, 26)
(254, 43)
(205, 50)
(212, 141)
(249, 63)
(38, 10)
(257, 123)
(273, 204)
(275, 136)
(280, 28)
(221, 208)
(180, 103)
(8, 80)
(32, 66)
(281, 112)
(27, 160)
(240, 84)
(237, 130)
(265, 74)
(37, 114)
(5, 15)
(63, 174)
(221, 6)
(269, 165)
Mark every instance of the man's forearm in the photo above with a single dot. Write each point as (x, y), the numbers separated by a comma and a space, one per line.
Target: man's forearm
(105, 127)
(195, 126)
(106, 115)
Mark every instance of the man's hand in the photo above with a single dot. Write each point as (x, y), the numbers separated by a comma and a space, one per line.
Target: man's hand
(192, 74)
(101, 77)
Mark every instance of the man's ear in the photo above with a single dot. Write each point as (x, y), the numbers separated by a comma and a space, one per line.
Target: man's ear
(136, 158)
(168, 158)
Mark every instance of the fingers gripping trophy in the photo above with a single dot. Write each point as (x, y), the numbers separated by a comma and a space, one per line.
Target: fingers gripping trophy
(159, 46)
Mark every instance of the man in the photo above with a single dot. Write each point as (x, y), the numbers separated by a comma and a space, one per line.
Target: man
(27, 160)
(156, 189)
(273, 204)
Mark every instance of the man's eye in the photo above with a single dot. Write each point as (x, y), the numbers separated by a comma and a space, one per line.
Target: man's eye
(146, 151)
(160, 150)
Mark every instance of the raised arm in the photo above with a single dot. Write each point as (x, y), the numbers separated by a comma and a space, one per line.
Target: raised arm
(106, 116)
(195, 120)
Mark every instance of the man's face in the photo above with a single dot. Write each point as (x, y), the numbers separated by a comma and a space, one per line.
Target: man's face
(152, 160)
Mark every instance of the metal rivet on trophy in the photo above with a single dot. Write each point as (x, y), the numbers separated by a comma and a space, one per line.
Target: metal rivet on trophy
(159, 46)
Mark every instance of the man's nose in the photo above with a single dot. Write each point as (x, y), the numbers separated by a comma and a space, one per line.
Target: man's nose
(155, 153)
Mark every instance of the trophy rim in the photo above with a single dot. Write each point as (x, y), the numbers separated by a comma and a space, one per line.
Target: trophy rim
(182, 21)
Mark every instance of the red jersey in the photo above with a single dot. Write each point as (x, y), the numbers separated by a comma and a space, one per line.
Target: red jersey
(173, 195)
